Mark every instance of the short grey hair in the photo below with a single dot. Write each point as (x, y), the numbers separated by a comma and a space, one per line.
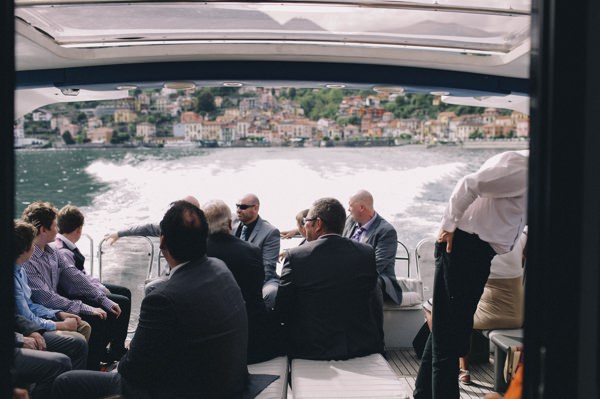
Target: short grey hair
(218, 216)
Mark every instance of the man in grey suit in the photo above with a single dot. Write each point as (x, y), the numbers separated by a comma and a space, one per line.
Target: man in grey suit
(327, 299)
(365, 225)
(252, 228)
(192, 335)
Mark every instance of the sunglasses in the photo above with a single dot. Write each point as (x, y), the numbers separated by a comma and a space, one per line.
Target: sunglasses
(243, 207)
(306, 220)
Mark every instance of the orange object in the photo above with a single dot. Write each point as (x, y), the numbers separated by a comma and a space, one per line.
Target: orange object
(515, 389)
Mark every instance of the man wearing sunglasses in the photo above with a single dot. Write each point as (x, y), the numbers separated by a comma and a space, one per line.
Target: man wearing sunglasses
(252, 228)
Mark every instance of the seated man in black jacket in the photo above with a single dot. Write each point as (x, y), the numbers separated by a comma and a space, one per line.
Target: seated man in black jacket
(328, 296)
(246, 263)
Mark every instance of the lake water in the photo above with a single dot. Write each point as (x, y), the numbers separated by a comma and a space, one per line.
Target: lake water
(118, 188)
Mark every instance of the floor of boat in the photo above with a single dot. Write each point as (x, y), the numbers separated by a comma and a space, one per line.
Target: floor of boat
(406, 364)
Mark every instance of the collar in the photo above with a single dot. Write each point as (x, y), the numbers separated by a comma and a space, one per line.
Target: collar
(367, 225)
(177, 267)
(66, 241)
(37, 252)
(328, 235)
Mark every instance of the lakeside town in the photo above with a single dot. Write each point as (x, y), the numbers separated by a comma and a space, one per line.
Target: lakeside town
(249, 117)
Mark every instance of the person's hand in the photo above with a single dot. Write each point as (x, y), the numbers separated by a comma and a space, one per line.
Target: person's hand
(116, 310)
(39, 340)
(29, 343)
(282, 255)
(447, 237)
(112, 238)
(20, 393)
(99, 313)
(289, 233)
(65, 316)
(69, 324)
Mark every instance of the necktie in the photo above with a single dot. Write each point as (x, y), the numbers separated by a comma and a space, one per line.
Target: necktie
(243, 233)
(357, 233)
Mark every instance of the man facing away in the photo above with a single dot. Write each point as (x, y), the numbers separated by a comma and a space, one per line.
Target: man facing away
(245, 262)
(70, 226)
(48, 273)
(191, 338)
(367, 226)
(252, 228)
(485, 215)
(327, 299)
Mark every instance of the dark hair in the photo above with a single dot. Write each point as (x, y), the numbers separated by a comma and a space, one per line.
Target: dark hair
(184, 230)
(24, 233)
(332, 214)
(69, 219)
(40, 214)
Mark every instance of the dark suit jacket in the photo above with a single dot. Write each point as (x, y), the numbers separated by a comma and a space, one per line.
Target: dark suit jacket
(245, 262)
(191, 338)
(383, 238)
(327, 300)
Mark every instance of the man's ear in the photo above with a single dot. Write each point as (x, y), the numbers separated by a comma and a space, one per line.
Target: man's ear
(162, 243)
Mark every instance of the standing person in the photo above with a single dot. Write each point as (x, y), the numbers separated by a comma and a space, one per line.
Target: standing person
(327, 299)
(70, 226)
(365, 225)
(252, 228)
(485, 215)
(245, 262)
(48, 273)
(192, 335)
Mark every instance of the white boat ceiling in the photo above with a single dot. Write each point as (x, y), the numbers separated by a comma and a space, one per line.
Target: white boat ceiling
(490, 37)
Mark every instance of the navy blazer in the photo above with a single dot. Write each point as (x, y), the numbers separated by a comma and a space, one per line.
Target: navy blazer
(383, 238)
(328, 302)
(191, 338)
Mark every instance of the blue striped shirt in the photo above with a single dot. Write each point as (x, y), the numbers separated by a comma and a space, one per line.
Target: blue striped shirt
(47, 271)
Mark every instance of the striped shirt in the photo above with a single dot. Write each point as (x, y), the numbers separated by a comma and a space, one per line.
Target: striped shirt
(47, 271)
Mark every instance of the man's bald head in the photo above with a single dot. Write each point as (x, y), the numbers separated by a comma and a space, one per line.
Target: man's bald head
(361, 207)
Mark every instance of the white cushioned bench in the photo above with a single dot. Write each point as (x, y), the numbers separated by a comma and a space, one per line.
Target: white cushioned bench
(362, 377)
(402, 322)
(278, 366)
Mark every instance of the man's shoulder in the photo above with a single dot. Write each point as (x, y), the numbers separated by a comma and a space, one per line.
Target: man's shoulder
(266, 226)
(220, 242)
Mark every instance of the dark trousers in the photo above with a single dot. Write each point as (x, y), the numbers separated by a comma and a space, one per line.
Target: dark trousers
(458, 284)
(39, 367)
(68, 343)
(86, 385)
(111, 331)
(122, 296)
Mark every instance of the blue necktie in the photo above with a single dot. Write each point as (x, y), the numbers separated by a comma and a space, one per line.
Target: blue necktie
(243, 233)
(357, 233)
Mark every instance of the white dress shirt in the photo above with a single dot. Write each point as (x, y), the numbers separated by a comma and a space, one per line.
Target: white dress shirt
(492, 202)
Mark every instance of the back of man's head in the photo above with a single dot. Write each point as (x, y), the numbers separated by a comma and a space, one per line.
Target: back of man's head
(24, 233)
(184, 230)
(332, 214)
(69, 219)
(40, 214)
(218, 216)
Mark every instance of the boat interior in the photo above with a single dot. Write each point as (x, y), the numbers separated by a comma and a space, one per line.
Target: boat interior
(534, 56)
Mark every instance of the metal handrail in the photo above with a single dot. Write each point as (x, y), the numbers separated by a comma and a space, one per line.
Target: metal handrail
(418, 247)
(91, 263)
(406, 257)
(101, 252)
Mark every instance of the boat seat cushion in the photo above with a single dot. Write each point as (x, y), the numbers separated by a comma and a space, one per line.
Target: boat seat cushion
(363, 377)
(278, 366)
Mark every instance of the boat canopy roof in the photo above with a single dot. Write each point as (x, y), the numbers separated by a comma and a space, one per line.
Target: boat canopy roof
(455, 47)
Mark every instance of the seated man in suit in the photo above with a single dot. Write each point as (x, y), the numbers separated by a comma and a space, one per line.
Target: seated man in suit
(365, 225)
(245, 262)
(191, 340)
(327, 299)
(70, 226)
(252, 228)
